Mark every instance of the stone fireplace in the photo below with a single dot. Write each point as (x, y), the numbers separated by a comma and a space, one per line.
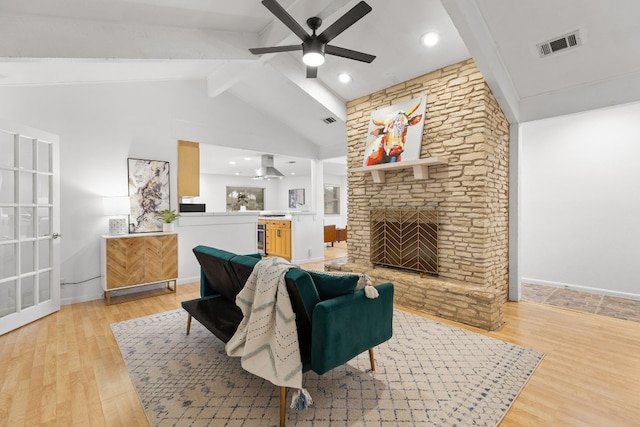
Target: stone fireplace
(465, 127)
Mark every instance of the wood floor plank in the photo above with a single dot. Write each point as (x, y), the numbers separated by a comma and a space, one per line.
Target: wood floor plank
(66, 369)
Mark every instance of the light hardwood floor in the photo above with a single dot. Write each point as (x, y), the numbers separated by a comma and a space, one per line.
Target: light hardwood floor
(66, 369)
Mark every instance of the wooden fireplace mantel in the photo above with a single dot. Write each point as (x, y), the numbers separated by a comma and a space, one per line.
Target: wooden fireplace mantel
(420, 168)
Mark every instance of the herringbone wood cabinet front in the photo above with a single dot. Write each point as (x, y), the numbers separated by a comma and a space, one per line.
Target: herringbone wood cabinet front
(133, 261)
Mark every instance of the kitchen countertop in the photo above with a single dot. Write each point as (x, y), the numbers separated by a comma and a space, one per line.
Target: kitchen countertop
(250, 213)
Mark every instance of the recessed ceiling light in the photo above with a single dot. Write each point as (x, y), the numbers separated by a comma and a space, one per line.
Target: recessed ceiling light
(247, 158)
(293, 173)
(430, 39)
(344, 78)
(231, 162)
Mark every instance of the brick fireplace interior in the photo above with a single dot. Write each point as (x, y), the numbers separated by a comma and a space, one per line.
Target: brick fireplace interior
(465, 127)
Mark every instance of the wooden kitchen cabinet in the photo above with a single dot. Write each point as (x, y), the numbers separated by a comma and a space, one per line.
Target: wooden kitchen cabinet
(279, 238)
(137, 260)
(188, 169)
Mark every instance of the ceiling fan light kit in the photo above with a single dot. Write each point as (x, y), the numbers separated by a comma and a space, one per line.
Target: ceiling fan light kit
(314, 46)
(313, 52)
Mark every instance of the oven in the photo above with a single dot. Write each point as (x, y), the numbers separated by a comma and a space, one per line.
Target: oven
(262, 239)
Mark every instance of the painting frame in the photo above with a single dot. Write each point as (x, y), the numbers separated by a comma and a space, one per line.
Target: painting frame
(395, 132)
(149, 193)
(296, 198)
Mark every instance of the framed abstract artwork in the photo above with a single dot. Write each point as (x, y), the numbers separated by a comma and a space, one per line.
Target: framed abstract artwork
(296, 198)
(395, 133)
(148, 193)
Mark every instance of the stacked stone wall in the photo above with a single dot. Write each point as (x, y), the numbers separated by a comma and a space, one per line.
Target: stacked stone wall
(464, 125)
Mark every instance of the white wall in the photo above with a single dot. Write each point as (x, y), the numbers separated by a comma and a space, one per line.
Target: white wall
(580, 211)
(101, 125)
(293, 183)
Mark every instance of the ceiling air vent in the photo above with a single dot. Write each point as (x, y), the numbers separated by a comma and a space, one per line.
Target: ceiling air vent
(329, 120)
(567, 41)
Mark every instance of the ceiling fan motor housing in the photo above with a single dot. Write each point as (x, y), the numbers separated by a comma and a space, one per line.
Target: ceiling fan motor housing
(312, 44)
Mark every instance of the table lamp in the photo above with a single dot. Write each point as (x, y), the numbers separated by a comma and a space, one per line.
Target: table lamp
(117, 208)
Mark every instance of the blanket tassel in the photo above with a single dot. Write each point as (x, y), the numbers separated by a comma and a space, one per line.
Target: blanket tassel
(371, 292)
(301, 400)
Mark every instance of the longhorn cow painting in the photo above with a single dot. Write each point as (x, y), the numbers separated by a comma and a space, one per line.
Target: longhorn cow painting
(395, 133)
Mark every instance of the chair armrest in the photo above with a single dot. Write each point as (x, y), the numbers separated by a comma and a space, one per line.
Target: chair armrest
(345, 326)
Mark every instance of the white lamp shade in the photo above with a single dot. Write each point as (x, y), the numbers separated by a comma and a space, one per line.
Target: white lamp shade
(115, 206)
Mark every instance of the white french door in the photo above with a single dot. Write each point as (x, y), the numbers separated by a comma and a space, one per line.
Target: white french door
(29, 224)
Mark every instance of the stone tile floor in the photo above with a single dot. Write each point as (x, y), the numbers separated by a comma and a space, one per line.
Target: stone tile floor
(620, 308)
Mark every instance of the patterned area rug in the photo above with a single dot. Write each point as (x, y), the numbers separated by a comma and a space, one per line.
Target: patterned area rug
(428, 374)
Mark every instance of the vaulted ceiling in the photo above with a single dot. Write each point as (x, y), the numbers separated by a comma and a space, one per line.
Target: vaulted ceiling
(46, 42)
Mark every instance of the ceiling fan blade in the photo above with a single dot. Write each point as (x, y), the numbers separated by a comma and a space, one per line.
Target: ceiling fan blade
(275, 49)
(348, 53)
(312, 72)
(345, 21)
(286, 19)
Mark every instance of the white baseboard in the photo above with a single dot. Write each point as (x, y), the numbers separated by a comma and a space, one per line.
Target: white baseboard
(73, 294)
(599, 291)
(94, 291)
(186, 280)
(307, 260)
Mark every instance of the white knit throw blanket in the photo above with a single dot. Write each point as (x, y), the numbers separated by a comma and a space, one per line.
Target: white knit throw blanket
(267, 338)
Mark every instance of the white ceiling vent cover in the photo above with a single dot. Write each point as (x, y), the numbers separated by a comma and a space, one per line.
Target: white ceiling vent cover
(557, 44)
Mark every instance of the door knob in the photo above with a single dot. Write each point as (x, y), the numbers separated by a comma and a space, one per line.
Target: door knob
(56, 235)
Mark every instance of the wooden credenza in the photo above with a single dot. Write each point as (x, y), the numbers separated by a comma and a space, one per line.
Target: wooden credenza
(137, 260)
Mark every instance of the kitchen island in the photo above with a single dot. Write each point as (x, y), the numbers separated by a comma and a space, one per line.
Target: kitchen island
(238, 232)
(231, 231)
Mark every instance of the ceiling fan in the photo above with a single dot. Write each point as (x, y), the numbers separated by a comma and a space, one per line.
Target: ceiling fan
(314, 46)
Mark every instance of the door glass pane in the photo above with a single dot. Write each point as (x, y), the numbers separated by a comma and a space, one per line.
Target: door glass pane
(7, 186)
(44, 222)
(8, 297)
(26, 188)
(27, 291)
(26, 153)
(43, 254)
(7, 149)
(7, 224)
(27, 229)
(43, 189)
(44, 286)
(44, 156)
(8, 254)
(27, 257)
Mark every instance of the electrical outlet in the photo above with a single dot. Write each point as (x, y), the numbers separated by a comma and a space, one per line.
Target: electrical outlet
(309, 252)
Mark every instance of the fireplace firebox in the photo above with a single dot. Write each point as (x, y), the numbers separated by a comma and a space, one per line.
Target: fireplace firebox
(405, 238)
